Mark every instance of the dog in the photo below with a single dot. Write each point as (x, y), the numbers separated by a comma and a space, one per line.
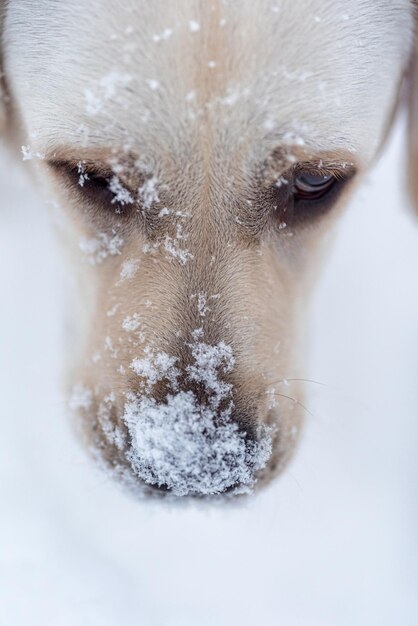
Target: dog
(202, 153)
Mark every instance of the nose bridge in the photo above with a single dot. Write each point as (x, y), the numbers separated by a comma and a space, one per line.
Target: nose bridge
(211, 289)
(201, 295)
(203, 364)
(201, 345)
(209, 280)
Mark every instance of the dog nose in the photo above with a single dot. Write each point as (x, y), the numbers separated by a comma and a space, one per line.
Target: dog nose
(185, 448)
(188, 434)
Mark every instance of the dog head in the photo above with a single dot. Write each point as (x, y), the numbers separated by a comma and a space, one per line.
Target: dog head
(202, 153)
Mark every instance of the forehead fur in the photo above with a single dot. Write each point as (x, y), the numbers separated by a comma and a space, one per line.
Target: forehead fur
(168, 76)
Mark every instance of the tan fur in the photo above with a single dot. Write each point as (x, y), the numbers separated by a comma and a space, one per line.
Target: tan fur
(217, 115)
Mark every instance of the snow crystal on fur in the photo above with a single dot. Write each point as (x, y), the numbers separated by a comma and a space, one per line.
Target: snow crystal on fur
(156, 366)
(208, 361)
(121, 194)
(98, 248)
(148, 193)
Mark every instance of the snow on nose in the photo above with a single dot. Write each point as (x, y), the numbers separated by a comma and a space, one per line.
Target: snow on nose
(193, 441)
(190, 449)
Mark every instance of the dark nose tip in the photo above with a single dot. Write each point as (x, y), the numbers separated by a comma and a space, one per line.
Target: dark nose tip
(188, 449)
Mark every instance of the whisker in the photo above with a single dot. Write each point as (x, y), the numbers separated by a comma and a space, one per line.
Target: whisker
(282, 395)
(293, 477)
(341, 393)
(302, 380)
(308, 380)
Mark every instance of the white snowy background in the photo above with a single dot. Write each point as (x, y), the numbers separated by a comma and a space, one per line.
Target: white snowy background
(333, 542)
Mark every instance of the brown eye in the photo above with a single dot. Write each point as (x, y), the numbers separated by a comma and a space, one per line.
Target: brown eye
(312, 185)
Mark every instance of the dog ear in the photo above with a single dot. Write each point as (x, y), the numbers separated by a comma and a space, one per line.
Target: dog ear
(3, 95)
(412, 128)
(3, 100)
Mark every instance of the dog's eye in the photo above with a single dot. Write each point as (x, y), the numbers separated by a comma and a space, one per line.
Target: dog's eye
(308, 191)
(312, 185)
(98, 188)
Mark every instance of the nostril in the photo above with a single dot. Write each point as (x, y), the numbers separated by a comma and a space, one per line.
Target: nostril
(189, 449)
(162, 489)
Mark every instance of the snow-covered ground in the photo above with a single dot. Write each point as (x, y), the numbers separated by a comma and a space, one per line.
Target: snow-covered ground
(333, 542)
